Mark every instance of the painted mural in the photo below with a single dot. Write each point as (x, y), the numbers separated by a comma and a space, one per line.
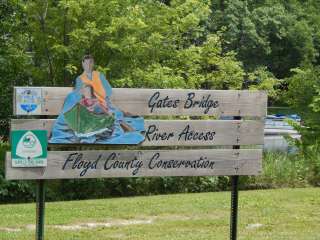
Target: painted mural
(89, 117)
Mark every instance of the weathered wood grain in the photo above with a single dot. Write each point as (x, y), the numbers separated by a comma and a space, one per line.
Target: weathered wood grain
(105, 164)
(144, 102)
(173, 132)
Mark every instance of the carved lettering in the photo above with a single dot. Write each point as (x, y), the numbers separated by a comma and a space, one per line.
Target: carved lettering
(206, 102)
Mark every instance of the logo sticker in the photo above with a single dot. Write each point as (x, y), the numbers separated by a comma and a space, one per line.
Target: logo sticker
(29, 100)
(29, 148)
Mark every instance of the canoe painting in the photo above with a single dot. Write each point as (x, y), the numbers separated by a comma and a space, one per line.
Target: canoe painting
(89, 117)
(82, 121)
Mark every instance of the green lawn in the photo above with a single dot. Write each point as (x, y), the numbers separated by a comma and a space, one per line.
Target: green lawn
(265, 214)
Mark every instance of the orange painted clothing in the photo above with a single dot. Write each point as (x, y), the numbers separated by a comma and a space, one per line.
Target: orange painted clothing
(97, 86)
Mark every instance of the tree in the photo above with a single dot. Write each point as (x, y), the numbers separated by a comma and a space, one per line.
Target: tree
(280, 35)
(14, 56)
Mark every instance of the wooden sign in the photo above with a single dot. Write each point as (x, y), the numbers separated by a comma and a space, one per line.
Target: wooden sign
(181, 132)
(142, 163)
(127, 109)
(170, 102)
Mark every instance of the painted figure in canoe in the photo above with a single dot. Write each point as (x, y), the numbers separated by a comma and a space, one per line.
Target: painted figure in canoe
(88, 116)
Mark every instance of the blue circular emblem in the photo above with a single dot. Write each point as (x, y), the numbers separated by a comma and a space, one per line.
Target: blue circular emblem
(29, 100)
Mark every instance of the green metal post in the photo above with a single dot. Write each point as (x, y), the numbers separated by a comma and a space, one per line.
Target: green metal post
(234, 199)
(234, 207)
(40, 198)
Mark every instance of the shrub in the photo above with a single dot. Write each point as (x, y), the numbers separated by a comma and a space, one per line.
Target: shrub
(13, 191)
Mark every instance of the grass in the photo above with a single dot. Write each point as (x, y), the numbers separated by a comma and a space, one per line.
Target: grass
(282, 213)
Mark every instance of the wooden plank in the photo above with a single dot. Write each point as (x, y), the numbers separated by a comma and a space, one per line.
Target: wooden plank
(180, 132)
(105, 164)
(176, 102)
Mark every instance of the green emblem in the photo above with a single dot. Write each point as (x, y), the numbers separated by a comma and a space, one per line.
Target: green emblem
(29, 148)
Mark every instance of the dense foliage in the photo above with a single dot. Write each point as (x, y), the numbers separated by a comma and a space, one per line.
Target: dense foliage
(220, 44)
(146, 43)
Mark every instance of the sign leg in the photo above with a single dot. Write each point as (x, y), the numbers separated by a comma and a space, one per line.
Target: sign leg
(234, 207)
(40, 198)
